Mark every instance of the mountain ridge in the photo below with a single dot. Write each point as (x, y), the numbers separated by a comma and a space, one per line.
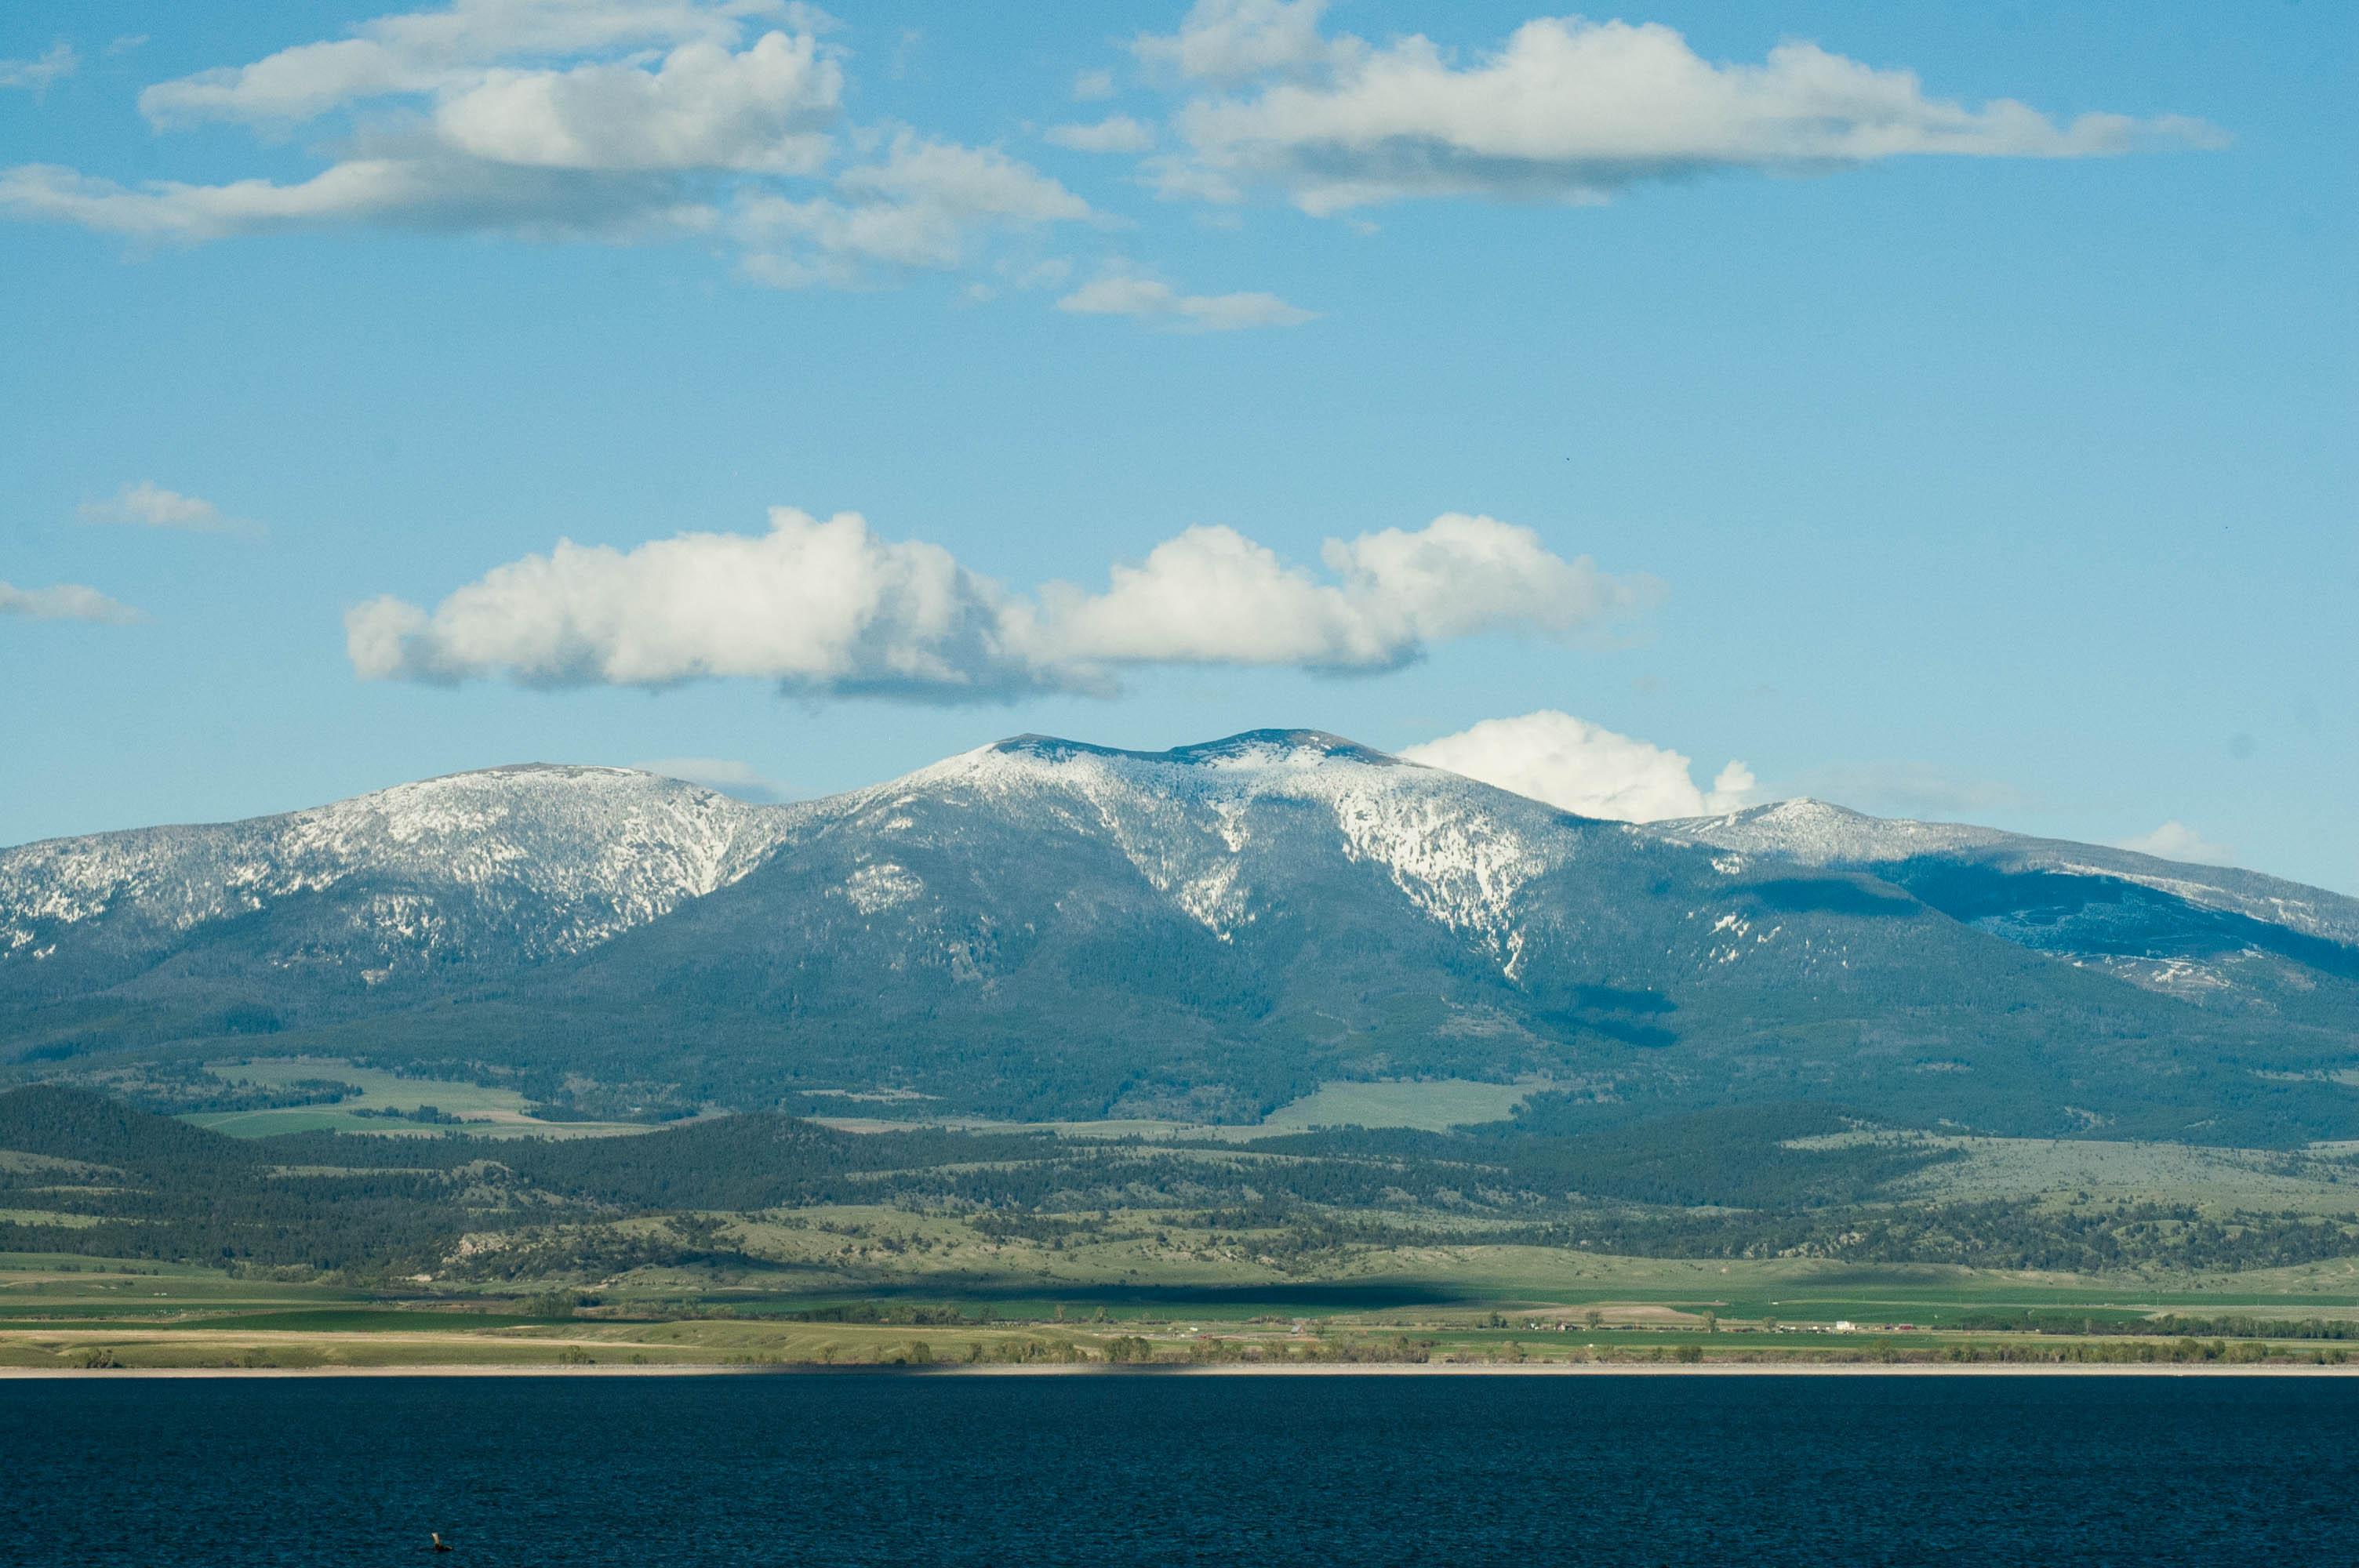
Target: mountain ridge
(1052, 927)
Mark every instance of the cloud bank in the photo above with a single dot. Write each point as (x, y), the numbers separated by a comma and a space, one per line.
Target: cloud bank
(827, 607)
(1565, 110)
(614, 120)
(607, 120)
(1585, 769)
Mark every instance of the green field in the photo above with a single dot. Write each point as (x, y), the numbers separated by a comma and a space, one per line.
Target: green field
(1433, 1105)
(483, 1110)
(1485, 1307)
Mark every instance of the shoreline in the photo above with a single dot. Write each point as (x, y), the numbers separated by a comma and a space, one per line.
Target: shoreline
(1324, 1369)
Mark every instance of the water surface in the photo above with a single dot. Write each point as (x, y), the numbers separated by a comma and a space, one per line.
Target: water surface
(820, 1469)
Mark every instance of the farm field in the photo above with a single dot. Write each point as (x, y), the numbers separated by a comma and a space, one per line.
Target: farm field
(1464, 1306)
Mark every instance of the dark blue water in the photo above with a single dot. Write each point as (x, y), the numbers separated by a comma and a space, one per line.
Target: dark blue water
(854, 1470)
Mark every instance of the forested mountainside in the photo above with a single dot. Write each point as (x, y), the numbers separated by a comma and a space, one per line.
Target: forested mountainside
(1045, 928)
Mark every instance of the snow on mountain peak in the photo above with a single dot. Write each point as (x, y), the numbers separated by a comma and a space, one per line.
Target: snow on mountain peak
(1186, 818)
(1814, 833)
(1818, 833)
(594, 849)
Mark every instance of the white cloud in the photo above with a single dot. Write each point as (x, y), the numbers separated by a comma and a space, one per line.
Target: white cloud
(1584, 769)
(66, 601)
(1567, 110)
(430, 194)
(611, 148)
(614, 120)
(149, 505)
(722, 773)
(54, 64)
(2175, 841)
(1094, 86)
(1116, 134)
(822, 605)
(827, 607)
(420, 52)
(973, 181)
(1127, 294)
(921, 206)
(1211, 596)
(703, 108)
(1226, 40)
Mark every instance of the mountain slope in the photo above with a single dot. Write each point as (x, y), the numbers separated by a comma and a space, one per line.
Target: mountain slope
(2215, 937)
(394, 891)
(1042, 927)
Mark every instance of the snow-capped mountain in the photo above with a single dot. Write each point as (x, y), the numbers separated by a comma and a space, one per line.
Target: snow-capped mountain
(1192, 821)
(1043, 926)
(505, 865)
(2208, 933)
(1813, 833)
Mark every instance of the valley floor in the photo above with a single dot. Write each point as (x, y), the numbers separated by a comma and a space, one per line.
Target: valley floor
(1463, 1310)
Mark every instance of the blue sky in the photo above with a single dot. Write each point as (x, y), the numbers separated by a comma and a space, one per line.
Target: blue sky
(1938, 459)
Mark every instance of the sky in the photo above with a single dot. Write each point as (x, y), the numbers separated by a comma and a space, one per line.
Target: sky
(1945, 411)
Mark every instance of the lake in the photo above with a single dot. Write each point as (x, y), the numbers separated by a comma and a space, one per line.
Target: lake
(821, 1469)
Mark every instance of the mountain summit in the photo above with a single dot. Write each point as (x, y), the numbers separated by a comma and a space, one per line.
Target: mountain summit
(1045, 927)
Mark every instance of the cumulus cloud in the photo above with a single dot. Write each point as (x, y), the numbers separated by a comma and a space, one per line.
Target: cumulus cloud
(1566, 110)
(149, 505)
(1094, 86)
(724, 774)
(820, 605)
(1584, 769)
(1128, 294)
(702, 107)
(2174, 840)
(827, 607)
(1116, 134)
(66, 601)
(54, 64)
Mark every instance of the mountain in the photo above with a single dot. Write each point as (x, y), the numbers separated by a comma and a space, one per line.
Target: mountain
(2219, 937)
(473, 873)
(1043, 928)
